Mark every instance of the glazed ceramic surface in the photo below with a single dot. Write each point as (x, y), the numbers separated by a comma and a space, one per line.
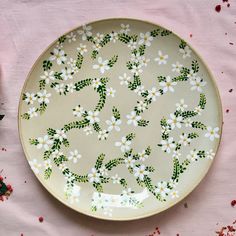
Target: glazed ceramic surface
(120, 119)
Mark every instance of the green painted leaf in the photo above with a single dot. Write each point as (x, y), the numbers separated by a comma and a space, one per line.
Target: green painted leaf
(143, 123)
(47, 173)
(42, 84)
(116, 113)
(99, 161)
(47, 65)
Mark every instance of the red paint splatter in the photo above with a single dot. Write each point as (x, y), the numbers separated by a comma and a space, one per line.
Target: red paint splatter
(233, 203)
(157, 231)
(218, 8)
(231, 90)
(41, 219)
(227, 110)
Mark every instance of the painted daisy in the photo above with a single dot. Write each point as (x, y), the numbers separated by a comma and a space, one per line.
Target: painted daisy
(161, 59)
(85, 31)
(145, 39)
(102, 65)
(111, 92)
(29, 98)
(168, 84)
(93, 117)
(175, 121)
(212, 133)
(124, 144)
(78, 111)
(58, 55)
(74, 156)
(167, 145)
(140, 172)
(113, 124)
(44, 142)
(94, 176)
(47, 76)
(124, 80)
(60, 134)
(133, 118)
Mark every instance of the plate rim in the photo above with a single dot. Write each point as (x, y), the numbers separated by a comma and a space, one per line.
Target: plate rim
(151, 213)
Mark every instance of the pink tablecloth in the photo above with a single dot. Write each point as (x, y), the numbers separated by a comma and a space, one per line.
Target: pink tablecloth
(27, 27)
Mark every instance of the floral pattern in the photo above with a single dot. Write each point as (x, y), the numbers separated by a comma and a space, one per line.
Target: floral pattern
(178, 129)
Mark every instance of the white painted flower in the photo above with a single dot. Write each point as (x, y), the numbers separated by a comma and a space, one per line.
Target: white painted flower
(72, 193)
(113, 124)
(184, 139)
(66, 74)
(145, 39)
(197, 84)
(173, 183)
(102, 134)
(136, 69)
(71, 37)
(30, 98)
(188, 122)
(115, 179)
(72, 65)
(186, 52)
(132, 44)
(103, 171)
(85, 31)
(32, 112)
(44, 142)
(162, 189)
(139, 90)
(35, 166)
(88, 130)
(174, 194)
(74, 156)
(111, 92)
(93, 117)
(94, 176)
(144, 61)
(97, 46)
(129, 161)
(141, 106)
(82, 49)
(167, 145)
(113, 37)
(175, 121)
(127, 192)
(60, 134)
(210, 154)
(176, 154)
(60, 88)
(69, 177)
(168, 84)
(70, 87)
(62, 166)
(96, 83)
(78, 111)
(98, 200)
(143, 156)
(140, 172)
(99, 37)
(192, 156)
(124, 28)
(47, 76)
(57, 154)
(198, 110)
(102, 65)
(58, 55)
(177, 67)
(43, 97)
(212, 133)
(107, 211)
(124, 80)
(124, 144)
(181, 106)
(161, 59)
(135, 57)
(47, 164)
(153, 94)
(191, 75)
(133, 118)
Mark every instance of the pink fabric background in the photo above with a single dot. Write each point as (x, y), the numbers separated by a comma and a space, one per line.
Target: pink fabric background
(26, 29)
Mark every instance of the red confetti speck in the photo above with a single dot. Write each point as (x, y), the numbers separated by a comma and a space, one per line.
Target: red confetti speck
(228, 5)
(21, 234)
(231, 90)
(41, 219)
(227, 110)
(231, 43)
(225, 0)
(185, 205)
(218, 8)
(190, 35)
(225, 33)
(233, 203)
(177, 234)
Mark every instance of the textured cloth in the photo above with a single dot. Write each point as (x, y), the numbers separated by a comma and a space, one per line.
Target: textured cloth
(27, 27)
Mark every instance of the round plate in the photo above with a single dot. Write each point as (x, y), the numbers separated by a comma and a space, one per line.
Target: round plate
(120, 119)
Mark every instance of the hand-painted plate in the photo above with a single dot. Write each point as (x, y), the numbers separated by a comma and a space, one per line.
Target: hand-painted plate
(120, 119)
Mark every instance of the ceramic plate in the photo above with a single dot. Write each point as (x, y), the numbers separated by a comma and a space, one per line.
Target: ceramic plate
(120, 119)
